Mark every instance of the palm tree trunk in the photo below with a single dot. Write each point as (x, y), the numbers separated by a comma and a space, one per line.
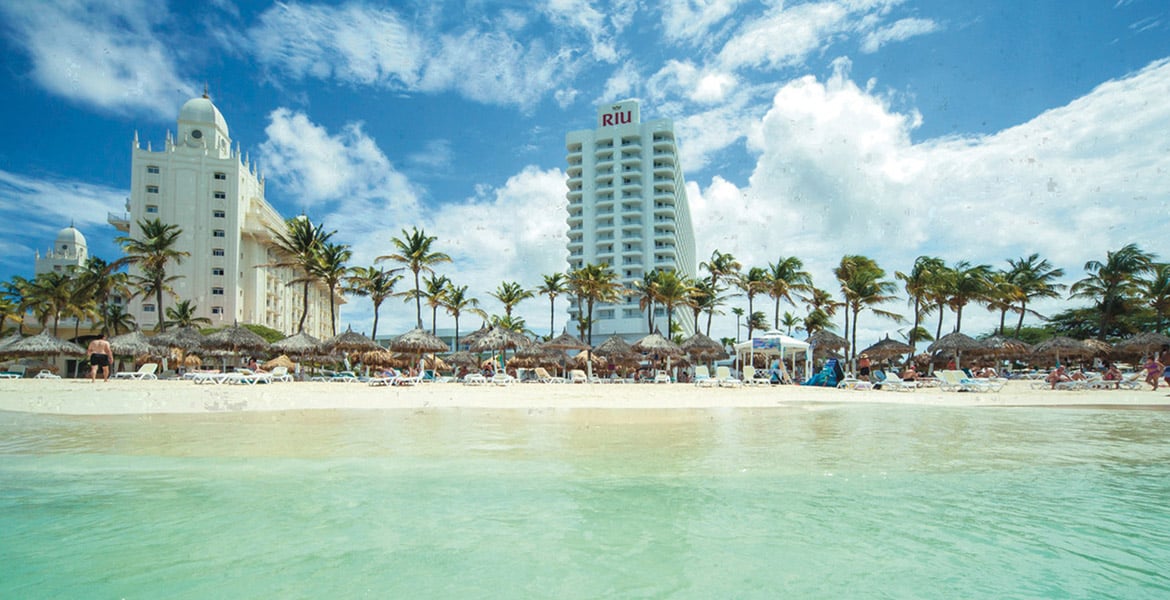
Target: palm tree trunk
(158, 307)
(938, 332)
(552, 317)
(914, 330)
(332, 315)
(846, 330)
(374, 333)
(455, 348)
(1020, 323)
(417, 300)
(304, 307)
(853, 335)
(776, 315)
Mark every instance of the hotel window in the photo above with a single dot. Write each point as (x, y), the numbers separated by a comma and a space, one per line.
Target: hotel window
(152, 208)
(217, 310)
(216, 291)
(217, 272)
(147, 308)
(152, 189)
(220, 175)
(220, 195)
(217, 252)
(219, 214)
(152, 169)
(217, 233)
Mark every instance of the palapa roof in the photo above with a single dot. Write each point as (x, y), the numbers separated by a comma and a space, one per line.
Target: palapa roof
(826, 341)
(187, 338)
(43, 343)
(474, 336)
(379, 358)
(462, 358)
(1001, 346)
(134, 343)
(1097, 347)
(301, 343)
(656, 344)
(566, 341)
(886, 348)
(701, 347)
(616, 346)
(350, 341)
(499, 338)
(235, 338)
(1142, 343)
(954, 342)
(418, 340)
(8, 341)
(1062, 346)
(280, 361)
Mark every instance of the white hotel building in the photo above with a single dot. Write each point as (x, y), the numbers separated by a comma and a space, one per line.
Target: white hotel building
(628, 209)
(199, 182)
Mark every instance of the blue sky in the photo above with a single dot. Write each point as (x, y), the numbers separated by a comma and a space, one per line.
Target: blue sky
(975, 131)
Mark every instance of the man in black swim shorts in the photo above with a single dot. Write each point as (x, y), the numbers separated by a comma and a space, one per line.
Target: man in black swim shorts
(101, 356)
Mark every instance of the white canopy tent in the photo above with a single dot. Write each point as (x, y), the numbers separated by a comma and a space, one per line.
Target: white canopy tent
(775, 343)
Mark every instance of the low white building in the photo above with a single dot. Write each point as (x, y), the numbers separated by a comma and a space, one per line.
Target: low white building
(204, 185)
(69, 250)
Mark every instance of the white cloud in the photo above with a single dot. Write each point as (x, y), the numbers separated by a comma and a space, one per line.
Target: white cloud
(692, 20)
(679, 78)
(784, 37)
(493, 68)
(580, 14)
(623, 83)
(436, 154)
(838, 174)
(36, 209)
(898, 31)
(106, 55)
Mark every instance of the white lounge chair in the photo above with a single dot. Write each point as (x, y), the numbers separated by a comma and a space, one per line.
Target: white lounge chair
(703, 376)
(474, 379)
(723, 378)
(14, 372)
(891, 381)
(749, 377)
(543, 376)
(578, 376)
(502, 379)
(281, 374)
(662, 377)
(46, 374)
(145, 372)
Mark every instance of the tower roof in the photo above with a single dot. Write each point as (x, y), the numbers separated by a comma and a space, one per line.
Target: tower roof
(70, 236)
(201, 110)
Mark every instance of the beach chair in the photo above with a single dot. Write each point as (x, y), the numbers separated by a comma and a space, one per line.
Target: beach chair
(890, 381)
(723, 378)
(474, 379)
(543, 376)
(46, 374)
(751, 376)
(145, 372)
(502, 379)
(853, 383)
(14, 372)
(578, 376)
(1131, 381)
(281, 374)
(662, 377)
(703, 376)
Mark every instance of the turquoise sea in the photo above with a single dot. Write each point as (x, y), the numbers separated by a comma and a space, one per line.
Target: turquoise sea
(800, 502)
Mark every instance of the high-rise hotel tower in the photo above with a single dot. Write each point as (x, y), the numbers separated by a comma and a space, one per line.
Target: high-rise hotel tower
(205, 186)
(628, 209)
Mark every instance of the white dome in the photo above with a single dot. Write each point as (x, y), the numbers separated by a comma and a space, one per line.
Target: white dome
(201, 110)
(69, 237)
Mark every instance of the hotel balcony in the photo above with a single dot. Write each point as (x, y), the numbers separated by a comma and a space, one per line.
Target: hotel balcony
(121, 222)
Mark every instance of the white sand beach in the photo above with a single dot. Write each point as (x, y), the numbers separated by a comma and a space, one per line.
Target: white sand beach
(80, 397)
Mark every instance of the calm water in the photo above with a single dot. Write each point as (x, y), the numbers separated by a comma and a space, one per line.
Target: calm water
(817, 502)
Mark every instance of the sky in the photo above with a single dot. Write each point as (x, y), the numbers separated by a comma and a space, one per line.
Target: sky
(977, 131)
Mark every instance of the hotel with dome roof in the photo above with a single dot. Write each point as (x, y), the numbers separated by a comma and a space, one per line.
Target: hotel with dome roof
(201, 183)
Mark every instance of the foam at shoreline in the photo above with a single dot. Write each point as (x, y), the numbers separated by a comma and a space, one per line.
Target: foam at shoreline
(80, 397)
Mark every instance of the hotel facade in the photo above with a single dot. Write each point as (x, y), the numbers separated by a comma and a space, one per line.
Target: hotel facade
(628, 209)
(203, 184)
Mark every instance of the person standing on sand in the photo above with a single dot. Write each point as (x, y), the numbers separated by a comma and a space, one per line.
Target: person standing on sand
(1153, 370)
(101, 356)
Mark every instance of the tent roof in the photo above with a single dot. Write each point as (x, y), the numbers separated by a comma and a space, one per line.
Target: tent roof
(782, 341)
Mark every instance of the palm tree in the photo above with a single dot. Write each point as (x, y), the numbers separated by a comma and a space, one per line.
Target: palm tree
(510, 293)
(553, 286)
(151, 253)
(755, 281)
(647, 293)
(1001, 296)
(720, 267)
(1156, 291)
(509, 322)
(738, 312)
(785, 276)
(329, 268)
(115, 319)
(53, 293)
(967, 283)
(182, 314)
(672, 291)
(703, 297)
(1113, 284)
(415, 254)
(758, 320)
(790, 321)
(435, 291)
(375, 283)
(299, 243)
(917, 285)
(456, 301)
(863, 286)
(1034, 278)
(8, 309)
(593, 284)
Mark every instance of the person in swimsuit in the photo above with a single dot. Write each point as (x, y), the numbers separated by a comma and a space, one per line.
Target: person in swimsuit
(1153, 370)
(101, 356)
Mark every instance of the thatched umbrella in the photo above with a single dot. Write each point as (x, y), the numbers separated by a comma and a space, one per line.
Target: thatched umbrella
(379, 358)
(1097, 347)
(886, 349)
(474, 336)
(134, 343)
(657, 346)
(999, 346)
(8, 341)
(704, 349)
(236, 339)
(825, 342)
(350, 341)
(1142, 343)
(192, 361)
(43, 344)
(955, 343)
(463, 359)
(1061, 345)
(561, 343)
(299, 344)
(418, 341)
(184, 338)
(500, 338)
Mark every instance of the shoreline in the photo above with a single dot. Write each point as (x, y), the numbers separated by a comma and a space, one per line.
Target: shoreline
(80, 397)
